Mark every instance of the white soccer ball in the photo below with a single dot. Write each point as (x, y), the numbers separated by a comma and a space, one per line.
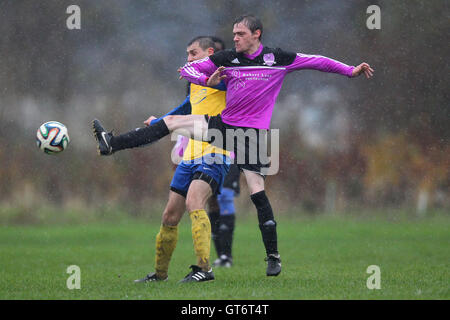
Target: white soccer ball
(52, 137)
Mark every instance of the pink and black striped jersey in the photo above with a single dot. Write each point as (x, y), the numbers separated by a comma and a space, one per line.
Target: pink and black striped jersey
(254, 81)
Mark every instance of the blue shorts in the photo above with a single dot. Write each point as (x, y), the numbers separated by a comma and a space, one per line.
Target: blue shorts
(205, 169)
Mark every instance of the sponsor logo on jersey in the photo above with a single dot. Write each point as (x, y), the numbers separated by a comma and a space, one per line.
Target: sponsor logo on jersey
(239, 82)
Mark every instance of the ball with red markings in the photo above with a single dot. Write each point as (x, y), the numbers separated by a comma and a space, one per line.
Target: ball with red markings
(52, 137)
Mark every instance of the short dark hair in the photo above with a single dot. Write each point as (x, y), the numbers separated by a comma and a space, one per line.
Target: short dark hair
(204, 42)
(251, 22)
(219, 44)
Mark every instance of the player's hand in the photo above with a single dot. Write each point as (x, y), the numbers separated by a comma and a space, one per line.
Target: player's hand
(216, 77)
(363, 68)
(179, 71)
(147, 122)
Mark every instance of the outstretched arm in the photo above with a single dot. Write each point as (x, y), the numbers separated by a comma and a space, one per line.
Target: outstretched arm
(321, 63)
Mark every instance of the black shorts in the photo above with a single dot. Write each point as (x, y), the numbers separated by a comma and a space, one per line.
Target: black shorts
(248, 144)
(232, 179)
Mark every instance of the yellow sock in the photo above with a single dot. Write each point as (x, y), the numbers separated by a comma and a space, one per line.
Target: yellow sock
(166, 241)
(201, 235)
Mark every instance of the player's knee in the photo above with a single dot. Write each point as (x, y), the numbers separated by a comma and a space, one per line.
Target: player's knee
(255, 183)
(169, 119)
(193, 203)
(170, 122)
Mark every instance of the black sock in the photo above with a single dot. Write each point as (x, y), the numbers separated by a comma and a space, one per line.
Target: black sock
(267, 223)
(137, 138)
(214, 217)
(226, 230)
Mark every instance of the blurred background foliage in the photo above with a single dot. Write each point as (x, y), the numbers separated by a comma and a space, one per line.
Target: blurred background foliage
(345, 143)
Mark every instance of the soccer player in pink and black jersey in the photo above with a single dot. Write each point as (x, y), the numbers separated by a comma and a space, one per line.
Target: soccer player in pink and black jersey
(253, 74)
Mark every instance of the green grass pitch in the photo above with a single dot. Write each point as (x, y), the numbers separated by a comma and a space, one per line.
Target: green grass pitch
(323, 258)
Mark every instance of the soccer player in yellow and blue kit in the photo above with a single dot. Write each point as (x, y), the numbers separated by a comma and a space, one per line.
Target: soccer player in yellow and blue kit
(199, 175)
